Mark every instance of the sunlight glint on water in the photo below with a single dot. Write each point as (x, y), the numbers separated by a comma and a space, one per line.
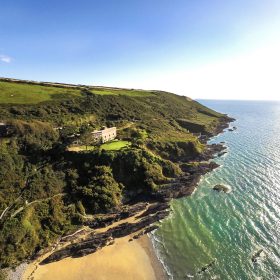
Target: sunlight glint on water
(231, 227)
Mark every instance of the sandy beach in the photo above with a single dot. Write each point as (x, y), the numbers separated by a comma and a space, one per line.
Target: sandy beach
(123, 260)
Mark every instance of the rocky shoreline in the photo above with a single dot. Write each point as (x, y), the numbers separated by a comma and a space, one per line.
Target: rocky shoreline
(146, 214)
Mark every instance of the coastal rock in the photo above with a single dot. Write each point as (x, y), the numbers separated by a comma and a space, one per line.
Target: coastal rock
(154, 208)
(211, 151)
(232, 128)
(222, 188)
(186, 184)
(206, 267)
(224, 123)
(94, 242)
(222, 153)
(110, 219)
(258, 255)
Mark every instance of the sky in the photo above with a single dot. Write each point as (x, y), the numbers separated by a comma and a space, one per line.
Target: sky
(214, 49)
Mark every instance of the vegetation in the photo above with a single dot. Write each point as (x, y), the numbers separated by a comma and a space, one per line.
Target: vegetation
(20, 93)
(82, 148)
(46, 190)
(126, 92)
(102, 192)
(3, 275)
(115, 145)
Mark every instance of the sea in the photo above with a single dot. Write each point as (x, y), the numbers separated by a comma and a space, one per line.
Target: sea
(235, 235)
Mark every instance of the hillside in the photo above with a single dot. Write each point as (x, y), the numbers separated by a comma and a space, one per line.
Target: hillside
(48, 190)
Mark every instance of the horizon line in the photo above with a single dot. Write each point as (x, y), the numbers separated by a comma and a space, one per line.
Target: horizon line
(225, 99)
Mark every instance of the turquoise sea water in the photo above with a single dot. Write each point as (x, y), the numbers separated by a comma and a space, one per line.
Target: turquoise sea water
(231, 227)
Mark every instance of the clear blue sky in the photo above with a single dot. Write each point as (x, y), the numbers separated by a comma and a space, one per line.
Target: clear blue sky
(200, 48)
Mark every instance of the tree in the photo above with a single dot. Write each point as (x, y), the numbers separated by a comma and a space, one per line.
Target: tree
(86, 139)
(103, 193)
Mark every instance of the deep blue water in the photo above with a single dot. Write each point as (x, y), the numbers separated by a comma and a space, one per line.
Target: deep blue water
(229, 228)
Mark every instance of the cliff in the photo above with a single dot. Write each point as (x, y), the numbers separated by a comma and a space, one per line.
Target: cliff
(48, 191)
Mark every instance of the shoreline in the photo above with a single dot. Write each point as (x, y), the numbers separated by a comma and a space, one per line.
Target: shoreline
(130, 237)
(158, 268)
(123, 260)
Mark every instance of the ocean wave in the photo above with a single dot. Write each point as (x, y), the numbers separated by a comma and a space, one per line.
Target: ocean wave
(230, 227)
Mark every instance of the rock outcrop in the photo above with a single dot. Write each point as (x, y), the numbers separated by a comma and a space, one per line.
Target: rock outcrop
(222, 188)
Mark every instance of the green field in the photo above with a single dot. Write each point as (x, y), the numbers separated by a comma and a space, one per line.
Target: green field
(81, 148)
(127, 92)
(111, 146)
(115, 146)
(20, 93)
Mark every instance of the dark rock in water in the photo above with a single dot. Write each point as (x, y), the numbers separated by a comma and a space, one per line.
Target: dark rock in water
(221, 188)
(206, 267)
(232, 129)
(258, 254)
(222, 153)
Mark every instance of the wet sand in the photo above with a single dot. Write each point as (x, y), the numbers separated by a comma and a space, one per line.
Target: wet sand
(123, 260)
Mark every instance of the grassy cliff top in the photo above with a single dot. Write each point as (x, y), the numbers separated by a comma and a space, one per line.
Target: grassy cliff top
(24, 93)
(64, 104)
(31, 92)
(48, 190)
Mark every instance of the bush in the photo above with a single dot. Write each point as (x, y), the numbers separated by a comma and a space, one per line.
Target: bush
(103, 192)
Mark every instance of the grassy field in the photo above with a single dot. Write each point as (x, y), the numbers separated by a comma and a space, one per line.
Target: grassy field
(111, 146)
(17, 93)
(115, 146)
(24, 93)
(126, 92)
(81, 148)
